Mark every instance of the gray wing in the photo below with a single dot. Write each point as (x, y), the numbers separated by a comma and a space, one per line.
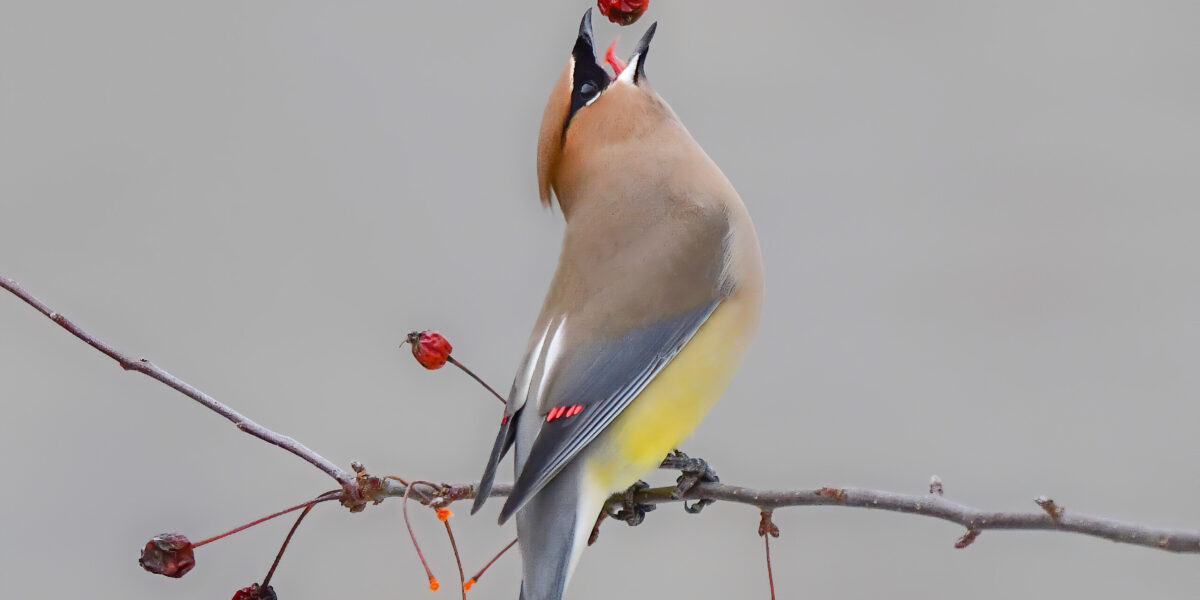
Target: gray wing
(504, 441)
(513, 410)
(598, 383)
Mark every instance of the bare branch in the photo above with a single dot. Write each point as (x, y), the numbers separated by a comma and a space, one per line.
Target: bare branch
(929, 505)
(1050, 517)
(149, 369)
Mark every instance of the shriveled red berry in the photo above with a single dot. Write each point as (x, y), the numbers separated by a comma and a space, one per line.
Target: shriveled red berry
(253, 592)
(623, 12)
(169, 554)
(430, 348)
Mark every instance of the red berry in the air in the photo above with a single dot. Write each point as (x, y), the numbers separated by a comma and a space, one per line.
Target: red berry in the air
(623, 12)
(168, 554)
(610, 56)
(254, 592)
(430, 348)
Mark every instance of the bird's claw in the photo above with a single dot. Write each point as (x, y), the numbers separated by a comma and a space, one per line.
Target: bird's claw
(693, 471)
(631, 511)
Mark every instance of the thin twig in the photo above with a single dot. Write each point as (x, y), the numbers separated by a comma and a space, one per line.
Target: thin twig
(149, 369)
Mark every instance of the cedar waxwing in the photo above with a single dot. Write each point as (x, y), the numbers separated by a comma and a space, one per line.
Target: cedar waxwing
(656, 296)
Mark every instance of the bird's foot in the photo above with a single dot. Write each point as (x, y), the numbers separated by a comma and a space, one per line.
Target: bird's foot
(630, 510)
(693, 471)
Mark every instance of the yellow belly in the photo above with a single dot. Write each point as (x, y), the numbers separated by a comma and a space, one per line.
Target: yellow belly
(674, 403)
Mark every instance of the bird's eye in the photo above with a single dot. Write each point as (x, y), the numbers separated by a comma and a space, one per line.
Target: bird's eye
(588, 90)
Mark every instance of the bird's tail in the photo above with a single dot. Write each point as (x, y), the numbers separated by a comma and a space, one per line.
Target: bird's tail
(553, 529)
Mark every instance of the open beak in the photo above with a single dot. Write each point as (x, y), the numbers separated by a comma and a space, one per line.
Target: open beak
(639, 53)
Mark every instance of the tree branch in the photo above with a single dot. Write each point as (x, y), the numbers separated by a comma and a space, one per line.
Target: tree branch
(149, 369)
(1052, 518)
(928, 505)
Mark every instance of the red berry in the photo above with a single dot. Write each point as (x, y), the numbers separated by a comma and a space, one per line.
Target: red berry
(253, 592)
(168, 554)
(430, 348)
(623, 12)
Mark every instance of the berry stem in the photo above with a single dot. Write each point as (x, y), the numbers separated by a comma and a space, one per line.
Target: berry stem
(330, 495)
(494, 559)
(770, 575)
(462, 577)
(278, 556)
(413, 536)
(464, 368)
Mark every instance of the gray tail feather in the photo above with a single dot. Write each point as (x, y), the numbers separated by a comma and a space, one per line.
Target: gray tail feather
(549, 528)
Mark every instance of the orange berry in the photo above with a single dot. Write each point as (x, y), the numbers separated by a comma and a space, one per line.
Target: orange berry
(444, 513)
(433, 584)
(467, 585)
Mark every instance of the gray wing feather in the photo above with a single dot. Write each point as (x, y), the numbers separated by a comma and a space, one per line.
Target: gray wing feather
(603, 383)
(504, 441)
(513, 410)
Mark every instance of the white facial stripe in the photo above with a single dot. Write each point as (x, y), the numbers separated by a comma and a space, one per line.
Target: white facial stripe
(627, 75)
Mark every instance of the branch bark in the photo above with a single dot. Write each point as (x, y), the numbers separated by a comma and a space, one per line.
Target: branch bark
(929, 505)
(149, 369)
(1052, 517)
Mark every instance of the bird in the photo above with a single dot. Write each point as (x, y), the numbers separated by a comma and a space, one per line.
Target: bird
(654, 301)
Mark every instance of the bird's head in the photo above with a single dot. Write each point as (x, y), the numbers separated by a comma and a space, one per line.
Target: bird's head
(589, 110)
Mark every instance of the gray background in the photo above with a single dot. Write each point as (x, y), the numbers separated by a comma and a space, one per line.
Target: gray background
(979, 223)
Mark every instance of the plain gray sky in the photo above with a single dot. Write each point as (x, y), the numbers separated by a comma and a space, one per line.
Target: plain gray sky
(979, 222)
